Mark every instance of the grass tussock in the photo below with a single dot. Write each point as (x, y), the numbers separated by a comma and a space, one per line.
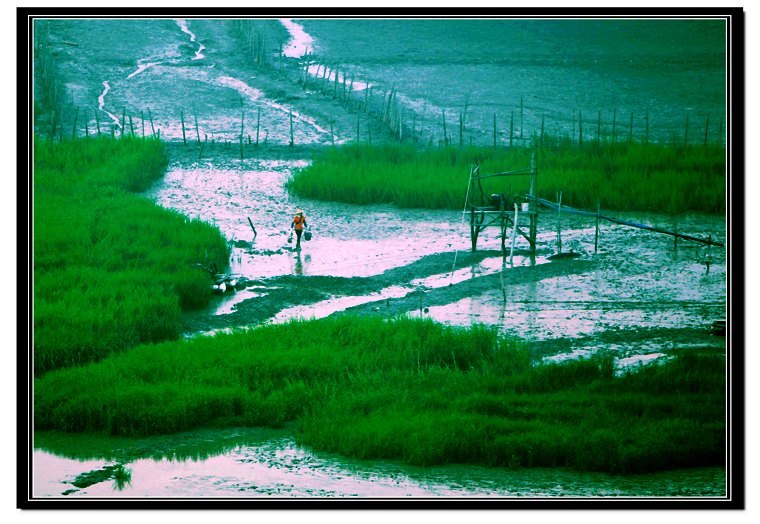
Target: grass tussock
(405, 389)
(111, 269)
(622, 176)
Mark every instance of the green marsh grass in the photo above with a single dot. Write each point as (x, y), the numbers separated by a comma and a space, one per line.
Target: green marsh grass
(622, 176)
(408, 390)
(111, 269)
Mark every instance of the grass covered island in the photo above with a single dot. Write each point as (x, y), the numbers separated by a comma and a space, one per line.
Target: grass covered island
(621, 176)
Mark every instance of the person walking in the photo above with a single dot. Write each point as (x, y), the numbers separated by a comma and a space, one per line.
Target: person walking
(298, 223)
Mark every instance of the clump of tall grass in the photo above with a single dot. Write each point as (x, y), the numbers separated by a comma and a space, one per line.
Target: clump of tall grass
(111, 269)
(622, 176)
(404, 389)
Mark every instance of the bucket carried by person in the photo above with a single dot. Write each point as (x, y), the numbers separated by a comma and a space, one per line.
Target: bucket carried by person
(307, 236)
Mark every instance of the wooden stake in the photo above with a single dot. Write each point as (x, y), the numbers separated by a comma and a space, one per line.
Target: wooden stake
(443, 117)
(182, 120)
(152, 128)
(596, 233)
(514, 236)
(614, 120)
(543, 117)
(291, 128)
(494, 130)
(254, 229)
(53, 126)
(258, 125)
(599, 128)
(707, 126)
(461, 129)
(580, 128)
(646, 132)
(97, 121)
(242, 127)
(197, 132)
(559, 222)
(630, 130)
(142, 123)
(74, 127)
(511, 128)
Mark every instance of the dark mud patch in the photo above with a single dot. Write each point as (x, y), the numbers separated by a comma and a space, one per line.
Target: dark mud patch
(422, 298)
(277, 294)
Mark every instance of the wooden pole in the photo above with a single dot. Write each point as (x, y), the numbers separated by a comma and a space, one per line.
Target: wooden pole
(258, 125)
(573, 136)
(675, 237)
(473, 229)
(242, 127)
(182, 120)
(511, 128)
(494, 130)
(123, 121)
(53, 126)
(646, 131)
(152, 127)
(461, 129)
(97, 121)
(630, 130)
(503, 231)
(142, 122)
(74, 127)
(291, 128)
(86, 124)
(559, 222)
(596, 233)
(443, 117)
(686, 132)
(614, 121)
(131, 127)
(197, 132)
(514, 236)
(533, 215)
(254, 229)
(580, 128)
(599, 128)
(707, 126)
(543, 117)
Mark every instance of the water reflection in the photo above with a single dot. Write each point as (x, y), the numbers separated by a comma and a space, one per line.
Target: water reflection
(278, 467)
